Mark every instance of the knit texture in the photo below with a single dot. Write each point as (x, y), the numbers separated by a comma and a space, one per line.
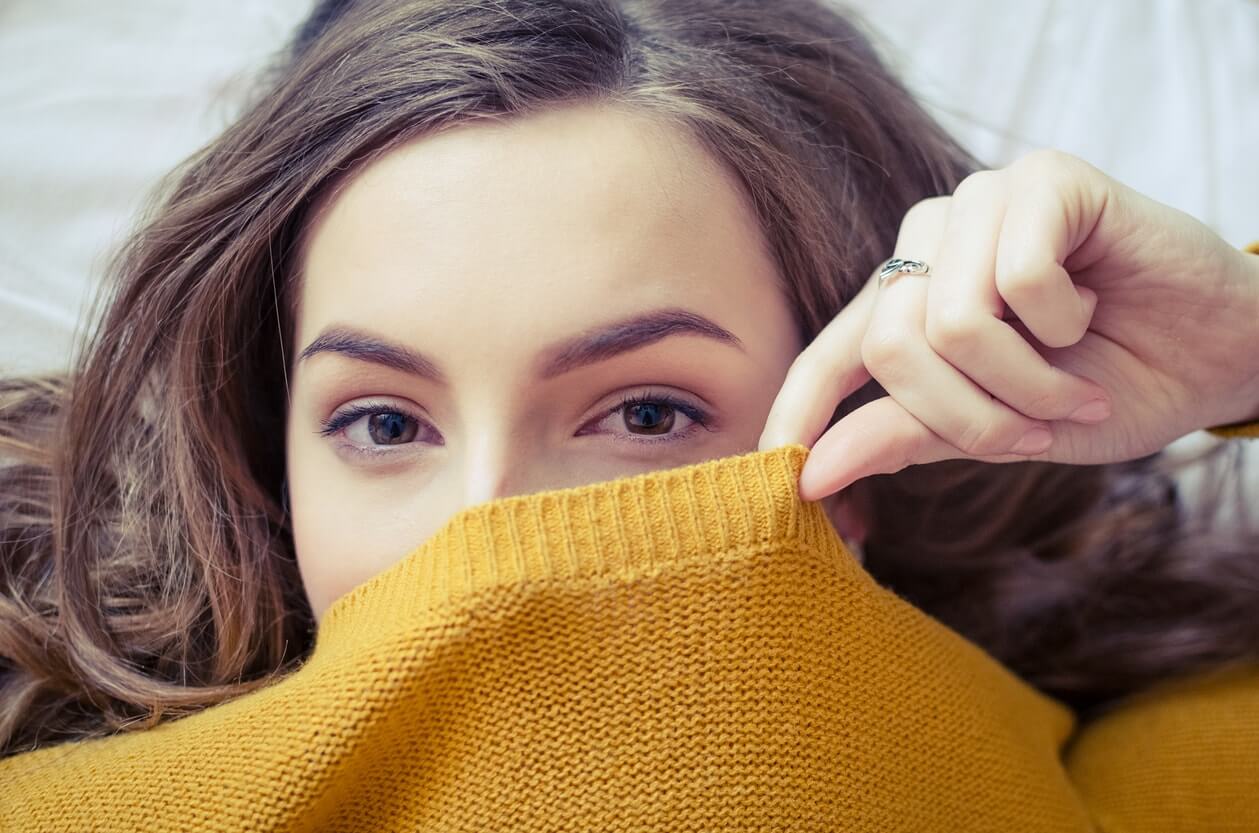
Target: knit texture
(687, 649)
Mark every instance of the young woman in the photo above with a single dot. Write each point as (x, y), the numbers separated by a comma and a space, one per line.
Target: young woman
(458, 251)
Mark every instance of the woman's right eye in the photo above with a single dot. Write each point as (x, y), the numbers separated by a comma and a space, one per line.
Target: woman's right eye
(373, 426)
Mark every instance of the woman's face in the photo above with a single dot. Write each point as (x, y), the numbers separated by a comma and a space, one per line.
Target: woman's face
(478, 306)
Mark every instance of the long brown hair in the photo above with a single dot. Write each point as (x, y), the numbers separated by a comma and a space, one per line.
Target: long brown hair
(146, 559)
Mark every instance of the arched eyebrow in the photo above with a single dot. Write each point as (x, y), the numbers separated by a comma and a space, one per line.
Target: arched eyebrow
(595, 345)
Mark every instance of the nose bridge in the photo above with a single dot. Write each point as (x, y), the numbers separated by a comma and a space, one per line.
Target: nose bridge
(503, 448)
(487, 469)
(497, 463)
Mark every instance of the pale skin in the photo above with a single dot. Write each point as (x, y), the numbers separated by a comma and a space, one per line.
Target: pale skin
(478, 254)
(483, 248)
(1052, 286)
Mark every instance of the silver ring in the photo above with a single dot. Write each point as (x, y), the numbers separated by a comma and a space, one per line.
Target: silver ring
(897, 265)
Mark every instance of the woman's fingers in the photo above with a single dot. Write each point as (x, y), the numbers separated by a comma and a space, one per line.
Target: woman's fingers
(880, 437)
(830, 368)
(938, 395)
(1054, 211)
(962, 381)
(822, 375)
(965, 304)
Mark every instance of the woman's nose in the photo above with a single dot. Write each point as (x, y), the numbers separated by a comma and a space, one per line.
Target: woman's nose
(501, 469)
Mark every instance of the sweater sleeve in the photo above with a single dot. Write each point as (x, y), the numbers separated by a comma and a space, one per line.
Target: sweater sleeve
(1183, 755)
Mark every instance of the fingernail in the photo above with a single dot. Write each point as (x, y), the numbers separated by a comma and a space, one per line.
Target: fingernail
(1033, 442)
(1094, 411)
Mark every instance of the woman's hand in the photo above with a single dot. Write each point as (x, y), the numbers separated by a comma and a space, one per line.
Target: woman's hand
(1052, 286)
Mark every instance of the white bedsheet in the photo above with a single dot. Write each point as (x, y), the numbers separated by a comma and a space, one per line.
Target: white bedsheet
(1160, 94)
(97, 100)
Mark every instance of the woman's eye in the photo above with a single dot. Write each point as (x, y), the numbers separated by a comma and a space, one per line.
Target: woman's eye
(370, 426)
(638, 418)
(388, 428)
(648, 419)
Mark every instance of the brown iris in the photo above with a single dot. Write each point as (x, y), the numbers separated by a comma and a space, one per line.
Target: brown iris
(657, 416)
(391, 428)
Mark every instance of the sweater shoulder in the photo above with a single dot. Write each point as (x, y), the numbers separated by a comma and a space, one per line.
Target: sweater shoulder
(1193, 738)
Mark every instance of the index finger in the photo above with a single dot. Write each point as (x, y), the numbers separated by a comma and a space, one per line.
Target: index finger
(821, 376)
(830, 368)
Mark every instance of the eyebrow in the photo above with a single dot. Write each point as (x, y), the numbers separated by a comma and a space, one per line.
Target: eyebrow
(595, 345)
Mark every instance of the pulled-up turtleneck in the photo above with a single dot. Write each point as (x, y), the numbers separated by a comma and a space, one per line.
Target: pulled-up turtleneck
(687, 649)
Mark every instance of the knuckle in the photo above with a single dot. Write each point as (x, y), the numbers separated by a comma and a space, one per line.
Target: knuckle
(955, 331)
(1046, 165)
(982, 438)
(977, 184)
(1043, 158)
(924, 217)
(1044, 405)
(883, 351)
(1019, 281)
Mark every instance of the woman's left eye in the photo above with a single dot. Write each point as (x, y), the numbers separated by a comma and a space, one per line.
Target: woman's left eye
(373, 428)
(653, 414)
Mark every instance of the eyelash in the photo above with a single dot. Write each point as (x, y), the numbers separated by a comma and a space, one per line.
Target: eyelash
(343, 419)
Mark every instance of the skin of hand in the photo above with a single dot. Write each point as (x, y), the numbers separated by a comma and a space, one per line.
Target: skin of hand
(1052, 286)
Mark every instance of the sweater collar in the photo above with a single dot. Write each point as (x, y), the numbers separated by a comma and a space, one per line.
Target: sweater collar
(639, 523)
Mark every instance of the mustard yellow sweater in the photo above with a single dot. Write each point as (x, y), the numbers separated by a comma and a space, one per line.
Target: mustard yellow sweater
(689, 649)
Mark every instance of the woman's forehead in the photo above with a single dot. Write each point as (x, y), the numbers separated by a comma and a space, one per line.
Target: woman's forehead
(577, 207)
(587, 164)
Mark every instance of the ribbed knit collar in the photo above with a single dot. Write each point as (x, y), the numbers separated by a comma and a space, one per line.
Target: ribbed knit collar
(724, 506)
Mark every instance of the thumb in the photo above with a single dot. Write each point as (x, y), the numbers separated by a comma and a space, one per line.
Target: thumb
(880, 437)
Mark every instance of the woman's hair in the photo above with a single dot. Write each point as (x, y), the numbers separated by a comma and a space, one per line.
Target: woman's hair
(146, 557)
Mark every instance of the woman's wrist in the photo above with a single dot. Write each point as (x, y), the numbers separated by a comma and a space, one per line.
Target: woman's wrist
(1243, 403)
